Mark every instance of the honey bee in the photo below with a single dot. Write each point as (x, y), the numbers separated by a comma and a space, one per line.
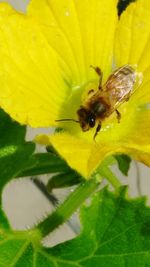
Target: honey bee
(105, 100)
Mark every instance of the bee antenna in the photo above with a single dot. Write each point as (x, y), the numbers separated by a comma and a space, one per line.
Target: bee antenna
(67, 120)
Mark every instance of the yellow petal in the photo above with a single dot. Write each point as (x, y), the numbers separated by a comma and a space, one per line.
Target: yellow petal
(46, 55)
(82, 32)
(139, 134)
(142, 95)
(74, 150)
(140, 156)
(45, 63)
(30, 77)
(85, 157)
(132, 44)
(131, 136)
(81, 155)
(133, 35)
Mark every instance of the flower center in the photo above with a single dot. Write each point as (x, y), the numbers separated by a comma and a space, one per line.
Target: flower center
(91, 105)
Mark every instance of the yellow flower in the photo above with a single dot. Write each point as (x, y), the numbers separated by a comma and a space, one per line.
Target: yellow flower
(45, 58)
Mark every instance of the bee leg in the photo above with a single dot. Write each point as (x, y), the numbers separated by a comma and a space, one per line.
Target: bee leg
(100, 74)
(90, 91)
(127, 98)
(118, 115)
(97, 130)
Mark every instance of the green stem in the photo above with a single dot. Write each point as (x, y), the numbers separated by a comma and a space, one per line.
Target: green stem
(110, 176)
(70, 205)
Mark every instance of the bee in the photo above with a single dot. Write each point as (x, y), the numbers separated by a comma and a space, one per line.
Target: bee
(105, 100)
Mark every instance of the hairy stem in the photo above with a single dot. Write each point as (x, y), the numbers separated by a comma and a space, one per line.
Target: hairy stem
(70, 205)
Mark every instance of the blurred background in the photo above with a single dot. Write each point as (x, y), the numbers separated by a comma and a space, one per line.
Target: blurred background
(25, 203)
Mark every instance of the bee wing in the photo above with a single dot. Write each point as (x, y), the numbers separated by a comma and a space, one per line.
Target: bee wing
(121, 84)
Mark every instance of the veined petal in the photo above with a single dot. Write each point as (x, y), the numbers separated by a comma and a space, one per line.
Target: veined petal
(85, 157)
(81, 155)
(82, 32)
(45, 67)
(139, 134)
(74, 150)
(46, 55)
(32, 87)
(140, 156)
(131, 136)
(142, 95)
(132, 44)
(133, 35)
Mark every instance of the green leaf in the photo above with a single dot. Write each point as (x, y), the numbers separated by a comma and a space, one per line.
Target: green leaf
(65, 179)
(116, 233)
(4, 225)
(16, 248)
(15, 153)
(123, 163)
(46, 163)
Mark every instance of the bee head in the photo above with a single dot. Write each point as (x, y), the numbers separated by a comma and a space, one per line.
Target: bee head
(87, 119)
